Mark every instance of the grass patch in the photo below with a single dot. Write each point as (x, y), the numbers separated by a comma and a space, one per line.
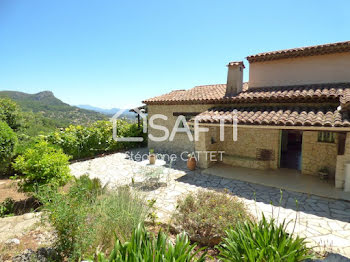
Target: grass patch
(88, 217)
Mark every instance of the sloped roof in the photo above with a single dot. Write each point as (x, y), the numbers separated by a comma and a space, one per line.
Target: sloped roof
(215, 94)
(301, 51)
(345, 99)
(278, 116)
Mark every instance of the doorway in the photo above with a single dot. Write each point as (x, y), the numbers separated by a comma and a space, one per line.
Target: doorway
(291, 147)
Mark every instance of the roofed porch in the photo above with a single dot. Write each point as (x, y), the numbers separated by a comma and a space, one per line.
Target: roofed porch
(287, 179)
(293, 150)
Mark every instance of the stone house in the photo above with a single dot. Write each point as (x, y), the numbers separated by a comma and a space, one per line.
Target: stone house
(293, 113)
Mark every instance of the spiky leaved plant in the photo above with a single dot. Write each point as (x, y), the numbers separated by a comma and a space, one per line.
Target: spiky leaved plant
(144, 247)
(261, 242)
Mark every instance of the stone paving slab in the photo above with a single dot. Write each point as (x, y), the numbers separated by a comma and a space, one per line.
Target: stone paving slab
(324, 222)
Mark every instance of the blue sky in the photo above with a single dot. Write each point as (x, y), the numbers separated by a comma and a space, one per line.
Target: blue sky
(117, 53)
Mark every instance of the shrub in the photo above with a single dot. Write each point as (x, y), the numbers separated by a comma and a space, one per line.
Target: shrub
(8, 142)
(10, 113)
(87, 217)
(87, 188)
(7, 207)
(42, 164)
(206, 214)
(145, 247)
(81, 141)
(262, 241)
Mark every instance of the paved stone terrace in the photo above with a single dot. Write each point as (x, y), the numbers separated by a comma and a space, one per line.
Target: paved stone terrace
(324, 222)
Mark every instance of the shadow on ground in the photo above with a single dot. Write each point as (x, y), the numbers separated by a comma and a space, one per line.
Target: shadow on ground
(315, 205)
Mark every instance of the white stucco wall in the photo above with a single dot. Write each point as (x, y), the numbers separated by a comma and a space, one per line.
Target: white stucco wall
(331, 68)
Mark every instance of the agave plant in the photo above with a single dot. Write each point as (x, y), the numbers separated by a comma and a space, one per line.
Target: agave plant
(144, 247)
(263, 241)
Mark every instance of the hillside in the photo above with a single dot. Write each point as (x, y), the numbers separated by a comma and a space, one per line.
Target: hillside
(109, 112)
(48, 106)
(104, 111)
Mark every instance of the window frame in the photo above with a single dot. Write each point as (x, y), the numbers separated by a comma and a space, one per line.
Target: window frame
(326, 137)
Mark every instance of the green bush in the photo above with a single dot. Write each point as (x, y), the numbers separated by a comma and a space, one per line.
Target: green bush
(7, 207)
(262, 241)
(10, 113)
(145, 247)
(88, 217)
(87, 188)
(206, 215)
(8, 142)
(40, 165)
(81, 141)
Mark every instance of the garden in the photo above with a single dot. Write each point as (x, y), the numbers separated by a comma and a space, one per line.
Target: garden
(92, 221)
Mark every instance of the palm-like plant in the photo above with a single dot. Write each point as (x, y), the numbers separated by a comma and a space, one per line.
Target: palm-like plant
(261, 242)
(144, 247)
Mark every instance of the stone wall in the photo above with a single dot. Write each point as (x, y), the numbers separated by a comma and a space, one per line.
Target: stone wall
(242, 152)
(207, 148)
(341, 161)
(248, 141)
(181, 141)
(316, 155)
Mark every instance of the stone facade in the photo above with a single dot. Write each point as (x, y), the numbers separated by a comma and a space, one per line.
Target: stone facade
(342, 160)
(181, 141)
(242, 152)
(207, 148)
(316, 155)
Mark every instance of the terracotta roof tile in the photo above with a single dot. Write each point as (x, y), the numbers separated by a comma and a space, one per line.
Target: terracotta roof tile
(279, 116)
(345, 98)
(212, 94)
(301, 51)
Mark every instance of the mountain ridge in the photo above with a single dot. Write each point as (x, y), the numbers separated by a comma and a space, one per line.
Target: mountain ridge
(109, 112)
(51, 107)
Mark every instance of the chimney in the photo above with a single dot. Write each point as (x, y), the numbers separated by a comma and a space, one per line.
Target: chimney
(234, 78)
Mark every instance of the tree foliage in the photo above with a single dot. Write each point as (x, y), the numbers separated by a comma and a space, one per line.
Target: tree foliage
(40, 165)
(10, 113)
(8, 142)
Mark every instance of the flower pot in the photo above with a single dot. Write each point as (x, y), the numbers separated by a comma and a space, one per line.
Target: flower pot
(152, 159)
(191, 163)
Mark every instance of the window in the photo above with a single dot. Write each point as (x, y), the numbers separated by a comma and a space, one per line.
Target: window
(326, 137)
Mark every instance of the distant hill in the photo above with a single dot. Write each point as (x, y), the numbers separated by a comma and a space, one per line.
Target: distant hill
(46, 104)
(109, 112)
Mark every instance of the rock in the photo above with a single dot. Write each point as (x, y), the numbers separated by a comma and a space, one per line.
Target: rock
(27, 256)
(42, 255)
(13, 241)
(28, 216)
(206, 241)
(332, 258)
